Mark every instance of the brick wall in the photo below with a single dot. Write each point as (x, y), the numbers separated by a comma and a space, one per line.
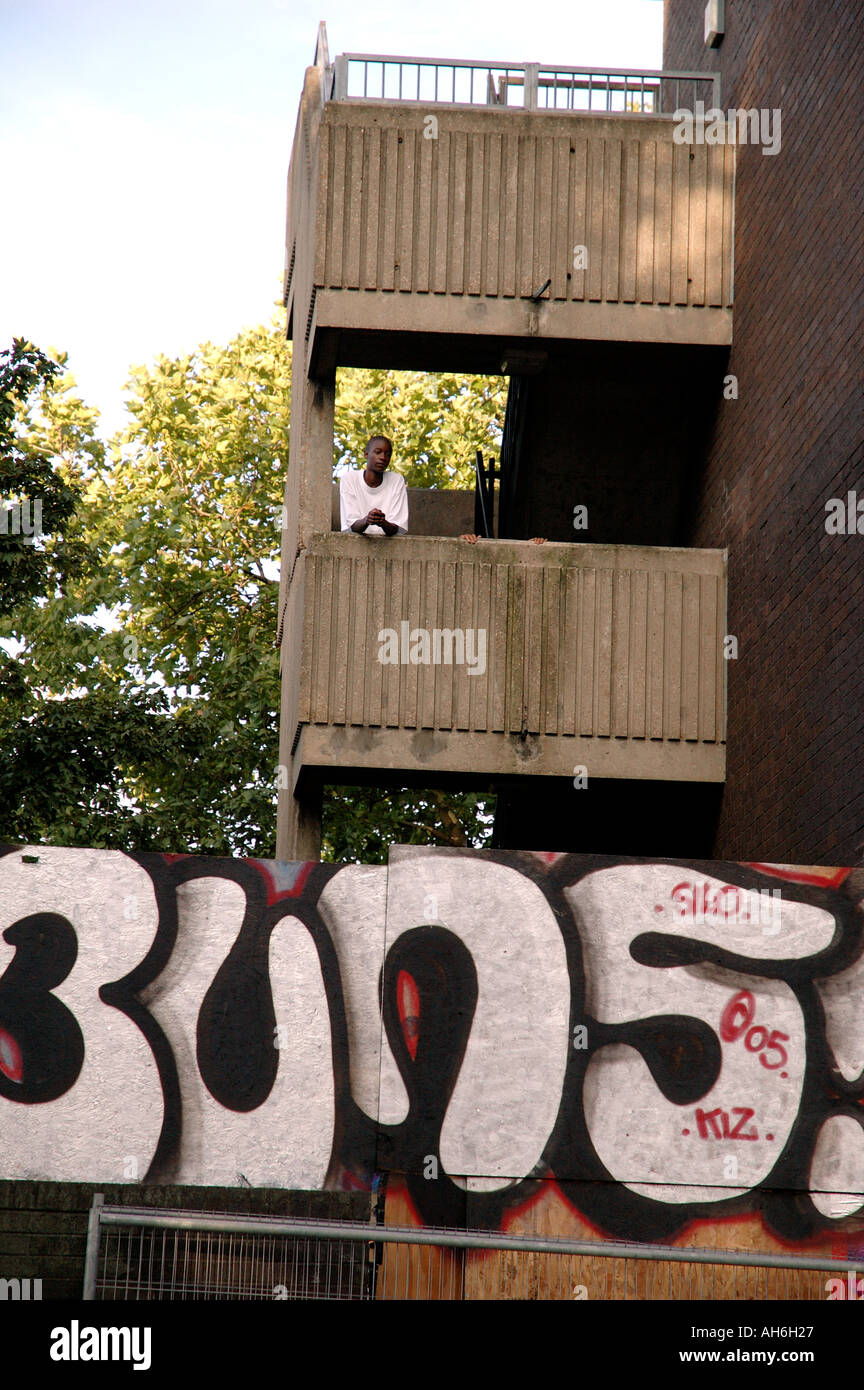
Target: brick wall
(793, 439)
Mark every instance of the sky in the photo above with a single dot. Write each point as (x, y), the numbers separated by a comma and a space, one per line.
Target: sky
(144, 151)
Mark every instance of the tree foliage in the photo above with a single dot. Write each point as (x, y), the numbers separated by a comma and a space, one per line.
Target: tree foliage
(36, 500)
(437, 421)
(139, 681)
(360, 823)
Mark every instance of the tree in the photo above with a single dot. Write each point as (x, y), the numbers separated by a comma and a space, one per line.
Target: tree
(68, 728)
(437, 421)
(35, 501)
(144, 695)
(360, 823)
(182, 529)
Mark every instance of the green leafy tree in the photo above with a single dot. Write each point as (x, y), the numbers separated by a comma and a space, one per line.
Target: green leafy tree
(361, 823)
(437, 421)
(140, 673)
(35, 500)
(70, 729)
(193, 497)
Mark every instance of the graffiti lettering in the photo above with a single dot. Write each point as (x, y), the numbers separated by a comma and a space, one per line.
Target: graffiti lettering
(715, 1123)
(480, 1024)
(755, 1038)
(704, 902)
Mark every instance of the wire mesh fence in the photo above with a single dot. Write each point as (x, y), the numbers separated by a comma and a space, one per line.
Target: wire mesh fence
(143, 1254)
(142, 1264)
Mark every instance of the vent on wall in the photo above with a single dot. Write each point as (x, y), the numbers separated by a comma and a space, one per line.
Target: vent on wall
(289, 274)
(311, 313)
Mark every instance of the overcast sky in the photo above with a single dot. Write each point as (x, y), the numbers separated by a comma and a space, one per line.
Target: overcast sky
(144, 150)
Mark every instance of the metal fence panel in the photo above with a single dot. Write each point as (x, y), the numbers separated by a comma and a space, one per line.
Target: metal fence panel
(143, 1254)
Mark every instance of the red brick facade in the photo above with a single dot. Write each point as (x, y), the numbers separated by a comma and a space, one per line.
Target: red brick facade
(793, 438)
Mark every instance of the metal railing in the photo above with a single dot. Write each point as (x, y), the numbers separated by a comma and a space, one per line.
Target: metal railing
(520, 86)
(151, 1254)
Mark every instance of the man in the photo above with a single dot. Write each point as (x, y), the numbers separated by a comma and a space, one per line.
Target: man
(374, 502)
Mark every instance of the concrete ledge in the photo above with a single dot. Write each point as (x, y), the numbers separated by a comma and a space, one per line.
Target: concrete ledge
(538, 755)
(342, 316)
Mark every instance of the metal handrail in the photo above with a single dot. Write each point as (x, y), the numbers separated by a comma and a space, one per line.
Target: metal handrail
(518, 67)
(496, 77)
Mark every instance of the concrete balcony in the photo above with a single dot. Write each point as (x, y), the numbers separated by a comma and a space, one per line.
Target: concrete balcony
(606, 656)
(433, 235)
(509, 226)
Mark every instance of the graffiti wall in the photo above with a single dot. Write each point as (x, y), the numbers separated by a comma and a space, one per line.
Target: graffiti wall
(661, 1041)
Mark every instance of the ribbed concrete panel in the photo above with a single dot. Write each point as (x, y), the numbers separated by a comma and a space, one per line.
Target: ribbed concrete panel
(498, 202)
(607, 642)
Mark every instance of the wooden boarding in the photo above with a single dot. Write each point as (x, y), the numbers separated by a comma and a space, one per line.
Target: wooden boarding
(504, 1275)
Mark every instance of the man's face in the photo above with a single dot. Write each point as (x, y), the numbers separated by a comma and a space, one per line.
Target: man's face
(378, 453)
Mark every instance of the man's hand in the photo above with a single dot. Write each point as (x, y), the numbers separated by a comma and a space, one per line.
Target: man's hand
(375, 518)
(472, 540)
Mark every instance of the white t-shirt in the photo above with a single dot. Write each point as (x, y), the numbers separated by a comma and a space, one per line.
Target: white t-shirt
(357, 499)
